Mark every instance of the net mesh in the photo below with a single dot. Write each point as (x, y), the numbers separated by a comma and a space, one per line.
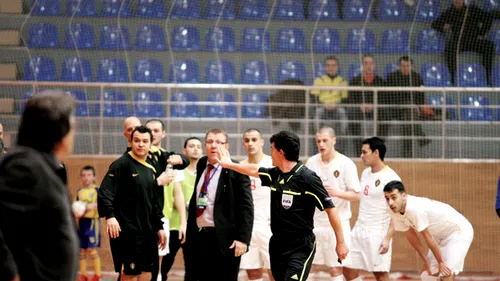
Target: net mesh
(266, 42)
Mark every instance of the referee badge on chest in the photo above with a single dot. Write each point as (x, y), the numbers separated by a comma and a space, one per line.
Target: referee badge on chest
(286, 201)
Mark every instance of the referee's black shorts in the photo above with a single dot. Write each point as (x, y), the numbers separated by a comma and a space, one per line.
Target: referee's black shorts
(134, 254)
(291, 258)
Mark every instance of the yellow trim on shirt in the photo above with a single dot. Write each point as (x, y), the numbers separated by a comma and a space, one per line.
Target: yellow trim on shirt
(143, 162)
(266, 174)
(291, 192)
(321, 204)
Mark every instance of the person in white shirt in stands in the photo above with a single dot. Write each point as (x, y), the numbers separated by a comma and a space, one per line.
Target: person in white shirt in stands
(257, 257)
(371, 236)
(447, 233)
(340, 179)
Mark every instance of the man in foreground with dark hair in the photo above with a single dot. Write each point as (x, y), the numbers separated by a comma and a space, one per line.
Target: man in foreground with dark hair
(34, 197)
(296, 192)
(128, 199)
(447, 233)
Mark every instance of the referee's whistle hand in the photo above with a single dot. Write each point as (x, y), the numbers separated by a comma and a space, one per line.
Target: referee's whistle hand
(341, 250)
(113, 228)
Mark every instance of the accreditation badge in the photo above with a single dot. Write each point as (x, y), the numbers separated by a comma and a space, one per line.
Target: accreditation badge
(286, 201)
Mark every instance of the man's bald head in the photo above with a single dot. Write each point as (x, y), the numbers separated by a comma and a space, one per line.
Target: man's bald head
(129, 125)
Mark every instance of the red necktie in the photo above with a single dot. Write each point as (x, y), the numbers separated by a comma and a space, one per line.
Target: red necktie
(203, 191)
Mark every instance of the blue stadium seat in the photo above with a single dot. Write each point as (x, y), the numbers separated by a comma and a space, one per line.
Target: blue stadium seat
(185, 9)
(390, 67)
(255, 72)
(326, 40)
(76, 70)
(42, 35)
(477, 110)
(290, 40)
(113, 104)
(185, 38)
(495, 37)
(326, 10)
(395, 41)
(437, 102)
(254, 9)
(82, 108)
(220, 39)
(367, 38)
(215, 7)
(495, 77)
(147, 105)
(148, 71)
(430, 41)
(112, 70)
(435, 75)
(40, 68)
(220, 72)
(183, 109)
(112, 38)
(81, 8)
(491, 5)
(184, 71)
(356, 10)
(111, 8)
(252, 110)
(255, 40)
(220, 111)
(354, 70)
(150, 37)
(151, 8)
(80, 36)
(428, 10)
(288, 10)
(392, 10)
(45, 7)
(471, 75)
(291, 70)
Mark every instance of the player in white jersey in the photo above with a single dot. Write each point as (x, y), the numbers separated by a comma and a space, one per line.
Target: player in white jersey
(257, 257)
(447, 233)
(371, 236)
(340, 178)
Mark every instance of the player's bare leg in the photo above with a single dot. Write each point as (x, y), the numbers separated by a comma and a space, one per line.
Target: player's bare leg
(144, 276)
(381, 276)
(270, 274)
(336, 273)
(255, 274)
(351, 274)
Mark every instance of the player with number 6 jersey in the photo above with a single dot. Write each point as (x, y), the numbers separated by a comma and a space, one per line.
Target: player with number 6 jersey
(257, 257)
(372, 234)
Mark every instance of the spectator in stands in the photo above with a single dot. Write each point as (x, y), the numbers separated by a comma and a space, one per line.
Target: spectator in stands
(331, 99)
(405, 77)
(469, 26)
(364, 99)
(288, 96)
(3, 148)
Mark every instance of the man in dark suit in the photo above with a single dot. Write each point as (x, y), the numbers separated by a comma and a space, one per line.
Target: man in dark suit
(34, 198)
(220, 218)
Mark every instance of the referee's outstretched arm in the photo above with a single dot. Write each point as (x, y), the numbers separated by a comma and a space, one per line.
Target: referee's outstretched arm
(224, 160)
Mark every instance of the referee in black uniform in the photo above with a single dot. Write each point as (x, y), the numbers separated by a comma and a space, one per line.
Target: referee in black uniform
(295, 193)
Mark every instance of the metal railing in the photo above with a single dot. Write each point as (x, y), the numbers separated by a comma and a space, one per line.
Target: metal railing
(240, 88)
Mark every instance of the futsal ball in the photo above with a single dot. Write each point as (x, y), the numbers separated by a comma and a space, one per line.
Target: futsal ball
(79, 208)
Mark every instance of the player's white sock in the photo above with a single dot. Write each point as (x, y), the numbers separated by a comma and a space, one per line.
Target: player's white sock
(426, 277)
(338, 278)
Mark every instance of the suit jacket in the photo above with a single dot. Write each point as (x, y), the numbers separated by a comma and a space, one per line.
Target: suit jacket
(33, 198)
(233, 208)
